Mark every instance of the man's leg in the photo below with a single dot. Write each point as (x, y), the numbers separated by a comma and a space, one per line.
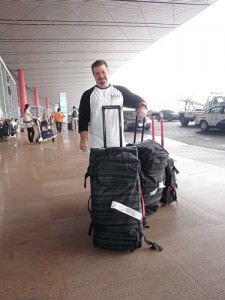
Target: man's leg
(75, 123)
(30, 134)
(60, 126)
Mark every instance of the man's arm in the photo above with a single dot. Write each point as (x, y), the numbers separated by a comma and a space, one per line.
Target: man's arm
(141, 111)
(84, 119)
(84, 112)
(84, 143)
(132, 100)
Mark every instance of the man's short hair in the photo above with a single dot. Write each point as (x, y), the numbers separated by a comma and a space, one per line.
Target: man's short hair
(98, 63)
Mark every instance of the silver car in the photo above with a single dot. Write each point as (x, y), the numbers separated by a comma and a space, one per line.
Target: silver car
(213, 117)
(129, 121)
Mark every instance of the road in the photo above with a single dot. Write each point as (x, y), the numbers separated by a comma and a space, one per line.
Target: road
(192, 135)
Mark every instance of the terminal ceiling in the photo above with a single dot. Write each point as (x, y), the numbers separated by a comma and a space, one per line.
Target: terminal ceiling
(55, 42)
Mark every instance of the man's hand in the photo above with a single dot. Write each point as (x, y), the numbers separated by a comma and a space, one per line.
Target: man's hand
(84, 144)
(141, 111)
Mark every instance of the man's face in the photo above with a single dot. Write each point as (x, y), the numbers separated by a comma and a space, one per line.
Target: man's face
(101, 76)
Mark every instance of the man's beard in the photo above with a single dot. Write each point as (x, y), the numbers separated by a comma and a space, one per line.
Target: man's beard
(102, 81)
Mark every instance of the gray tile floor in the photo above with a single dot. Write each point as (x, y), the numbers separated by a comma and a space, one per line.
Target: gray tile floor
(46, 253)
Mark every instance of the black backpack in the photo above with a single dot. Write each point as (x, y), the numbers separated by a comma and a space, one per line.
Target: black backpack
(74, 114)
(153, 158)
(169, 194)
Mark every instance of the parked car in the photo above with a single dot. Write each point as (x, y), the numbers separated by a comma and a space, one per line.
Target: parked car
(129, 121)
(152, 113)
(213, 117)
(168, 115)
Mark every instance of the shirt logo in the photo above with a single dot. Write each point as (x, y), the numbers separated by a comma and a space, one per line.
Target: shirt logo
(115, 96)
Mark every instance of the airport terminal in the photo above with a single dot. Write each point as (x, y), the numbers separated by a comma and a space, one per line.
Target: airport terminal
(45, 249)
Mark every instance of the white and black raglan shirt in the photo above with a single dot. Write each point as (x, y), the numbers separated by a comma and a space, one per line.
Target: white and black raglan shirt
(90, 113)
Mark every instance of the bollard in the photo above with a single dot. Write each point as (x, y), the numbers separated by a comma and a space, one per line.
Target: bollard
(153, 128)
(162, 129)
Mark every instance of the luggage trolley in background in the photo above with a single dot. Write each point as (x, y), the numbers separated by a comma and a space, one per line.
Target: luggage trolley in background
(37, 111)
(43, 131)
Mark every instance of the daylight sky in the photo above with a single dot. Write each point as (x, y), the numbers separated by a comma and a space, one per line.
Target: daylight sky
(187, 63)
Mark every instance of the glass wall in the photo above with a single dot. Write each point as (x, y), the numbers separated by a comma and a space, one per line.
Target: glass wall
(9, 106)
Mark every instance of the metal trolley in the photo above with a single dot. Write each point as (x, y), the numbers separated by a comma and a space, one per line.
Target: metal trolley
(43, 131)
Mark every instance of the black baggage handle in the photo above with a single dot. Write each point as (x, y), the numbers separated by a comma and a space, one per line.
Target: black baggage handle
(135, 129)
(118, 107)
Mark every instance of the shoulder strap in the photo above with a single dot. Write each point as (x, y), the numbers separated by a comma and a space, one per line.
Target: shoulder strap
(87, 174)
(153, 245)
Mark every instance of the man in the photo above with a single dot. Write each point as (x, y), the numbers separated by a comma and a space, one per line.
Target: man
(59, 120)
(74, 117)
(90, 110)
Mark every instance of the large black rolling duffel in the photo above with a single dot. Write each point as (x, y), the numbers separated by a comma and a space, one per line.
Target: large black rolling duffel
(115, 203)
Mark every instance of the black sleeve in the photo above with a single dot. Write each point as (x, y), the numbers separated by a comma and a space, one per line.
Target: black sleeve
(130, 100)
(84, 110)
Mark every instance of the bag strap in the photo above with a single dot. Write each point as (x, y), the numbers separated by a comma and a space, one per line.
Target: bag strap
(89, 210)
(153, 245)
(87, 174)
(90, 228)
(89, 205)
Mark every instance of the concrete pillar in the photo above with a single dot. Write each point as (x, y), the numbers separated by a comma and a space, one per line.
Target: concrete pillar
(36, 97)
(22, 91)
(47, 103)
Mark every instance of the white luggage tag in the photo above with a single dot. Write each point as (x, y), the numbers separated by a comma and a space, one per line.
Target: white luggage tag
(126, 210)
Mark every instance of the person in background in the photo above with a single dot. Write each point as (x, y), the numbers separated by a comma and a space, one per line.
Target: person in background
(52, 118)
(90, 109)
(28, 120)
(14, 126)
(45, 117)
(1, 129)
(74, 115)
(59, 120)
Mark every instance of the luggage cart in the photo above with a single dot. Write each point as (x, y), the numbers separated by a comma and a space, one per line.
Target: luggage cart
(43, 131)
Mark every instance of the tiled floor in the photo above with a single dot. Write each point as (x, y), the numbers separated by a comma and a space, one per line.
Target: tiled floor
(46, 253)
